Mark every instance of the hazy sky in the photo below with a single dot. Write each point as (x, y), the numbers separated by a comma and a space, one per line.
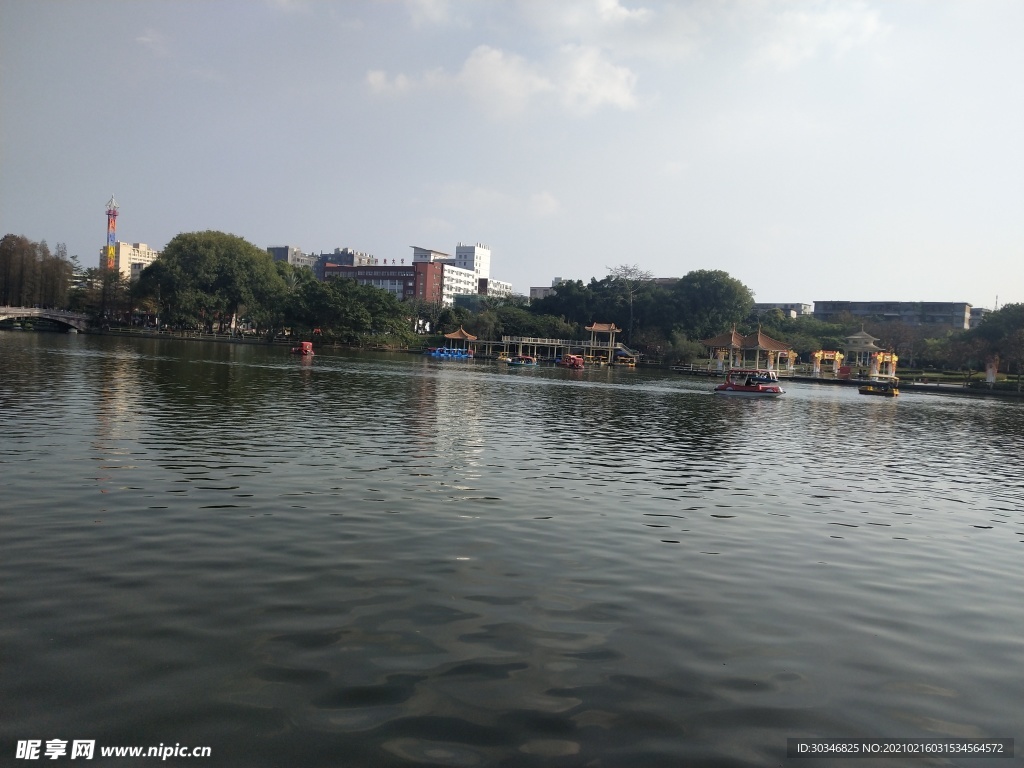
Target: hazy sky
(815, 150)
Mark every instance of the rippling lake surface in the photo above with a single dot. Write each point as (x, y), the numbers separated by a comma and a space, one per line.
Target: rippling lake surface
(388, 560)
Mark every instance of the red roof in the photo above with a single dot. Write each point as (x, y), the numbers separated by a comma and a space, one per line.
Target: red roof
(460, 334)
(604, 328)
(757, 340)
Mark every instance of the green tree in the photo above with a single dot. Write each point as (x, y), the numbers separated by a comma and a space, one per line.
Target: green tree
(207, 277)
(708, 302)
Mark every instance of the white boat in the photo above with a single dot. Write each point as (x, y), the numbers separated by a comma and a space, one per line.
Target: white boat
(750, 382)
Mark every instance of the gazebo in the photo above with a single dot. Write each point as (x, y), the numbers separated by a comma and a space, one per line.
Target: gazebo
(756, 350)
(460, 335)
(602, 328)
(866, 356)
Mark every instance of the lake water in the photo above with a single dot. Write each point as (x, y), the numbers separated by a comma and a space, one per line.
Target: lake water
(388, 560)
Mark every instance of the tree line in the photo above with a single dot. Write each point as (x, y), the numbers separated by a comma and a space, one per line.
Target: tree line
(217, 282)
(30, 275)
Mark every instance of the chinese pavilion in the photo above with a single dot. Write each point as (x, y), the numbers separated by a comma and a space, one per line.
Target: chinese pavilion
(756, 350)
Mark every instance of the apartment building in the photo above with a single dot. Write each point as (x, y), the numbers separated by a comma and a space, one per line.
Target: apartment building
(790, 309)
(940, 314)
(130, 258)
(418, 280)
(294, 256)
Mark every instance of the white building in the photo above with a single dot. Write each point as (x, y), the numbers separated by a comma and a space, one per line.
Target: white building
(789, 309)
(496, 288)
(455, 281)
(294, 256)
(469, 272)
(543, 292)
(475, 258)
(130, 258)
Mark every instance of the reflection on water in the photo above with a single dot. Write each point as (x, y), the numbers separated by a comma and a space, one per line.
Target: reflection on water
(390, 560)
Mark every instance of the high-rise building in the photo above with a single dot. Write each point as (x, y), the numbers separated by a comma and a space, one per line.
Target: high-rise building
(475, 258)
(294, 256)
(129, 259)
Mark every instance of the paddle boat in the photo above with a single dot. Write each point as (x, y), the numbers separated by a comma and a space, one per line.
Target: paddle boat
(451, 353)
(750, 382)
(570, 361)
(521, 360)
(304, 348)
(881, 385)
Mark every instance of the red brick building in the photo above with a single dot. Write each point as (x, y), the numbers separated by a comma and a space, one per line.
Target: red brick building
(419, 280)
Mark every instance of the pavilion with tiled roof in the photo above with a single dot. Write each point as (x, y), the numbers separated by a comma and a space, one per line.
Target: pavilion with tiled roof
(598, 348)
(461, 335)
(867, 357)
(755, 350)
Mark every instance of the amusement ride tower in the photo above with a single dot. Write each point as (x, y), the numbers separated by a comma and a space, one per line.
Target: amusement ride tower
(112, 207)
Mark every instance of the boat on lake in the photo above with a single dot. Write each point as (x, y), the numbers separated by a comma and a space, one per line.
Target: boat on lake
(521, 360)
(570, 361)
(883, 386)
(305, 348)
(750, 382)
(451, 353)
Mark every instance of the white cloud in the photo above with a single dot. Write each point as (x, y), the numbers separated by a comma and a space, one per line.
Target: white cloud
(504, 84)
(154, 41)
(588, 81)
(785, 39)
(666, 33)
(543, 205)
(429, 12)
(379, 82)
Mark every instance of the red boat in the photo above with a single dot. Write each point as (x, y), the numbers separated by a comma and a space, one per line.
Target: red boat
(571, 361)
(750, 382)
(304, 348)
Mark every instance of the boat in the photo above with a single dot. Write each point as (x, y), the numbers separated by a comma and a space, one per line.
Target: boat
(570, 361)
(626, 360)
(883, 386)
(522, 360)
(305, 348)
(451, 353)
(750, 382)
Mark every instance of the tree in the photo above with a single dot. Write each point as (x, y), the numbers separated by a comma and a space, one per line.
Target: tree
(206, 277)
(708, 302)
(630, 279)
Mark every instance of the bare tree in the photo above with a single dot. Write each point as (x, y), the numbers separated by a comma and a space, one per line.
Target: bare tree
(631, 278)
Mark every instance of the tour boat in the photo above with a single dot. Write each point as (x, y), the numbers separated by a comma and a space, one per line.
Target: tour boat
(750, 382)
(884, 386)
(304, 348)
(522, 360)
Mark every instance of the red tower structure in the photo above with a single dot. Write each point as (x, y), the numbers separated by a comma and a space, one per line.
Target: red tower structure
(112, 207)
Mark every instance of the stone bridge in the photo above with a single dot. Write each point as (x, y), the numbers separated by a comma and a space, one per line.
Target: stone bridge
(75, 320)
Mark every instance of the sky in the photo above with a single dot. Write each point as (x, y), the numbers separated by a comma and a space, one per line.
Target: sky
(813, 149)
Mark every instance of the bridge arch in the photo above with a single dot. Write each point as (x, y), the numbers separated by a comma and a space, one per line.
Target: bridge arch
(76, 320)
